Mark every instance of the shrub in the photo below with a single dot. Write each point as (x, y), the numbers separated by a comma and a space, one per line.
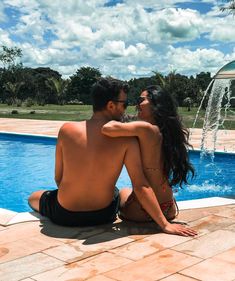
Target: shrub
(14, 111)
(29, 102)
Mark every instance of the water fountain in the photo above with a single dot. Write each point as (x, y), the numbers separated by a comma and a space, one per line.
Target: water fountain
(221, 96)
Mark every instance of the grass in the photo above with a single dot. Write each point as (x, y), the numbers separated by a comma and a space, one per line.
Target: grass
(82, 112)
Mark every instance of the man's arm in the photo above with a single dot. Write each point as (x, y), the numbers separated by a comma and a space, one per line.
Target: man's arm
(145, 193)
(58, 162)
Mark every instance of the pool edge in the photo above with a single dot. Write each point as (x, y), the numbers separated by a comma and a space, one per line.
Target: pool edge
(8, 217)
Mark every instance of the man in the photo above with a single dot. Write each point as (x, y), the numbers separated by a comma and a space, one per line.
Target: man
(89, 163)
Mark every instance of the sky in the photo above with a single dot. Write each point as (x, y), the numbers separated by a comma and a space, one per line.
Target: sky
(122, 38)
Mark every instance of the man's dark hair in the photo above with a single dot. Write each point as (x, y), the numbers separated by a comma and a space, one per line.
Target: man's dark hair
(105, 90)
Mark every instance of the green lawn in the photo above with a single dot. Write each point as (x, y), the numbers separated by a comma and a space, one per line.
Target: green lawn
(82, 112)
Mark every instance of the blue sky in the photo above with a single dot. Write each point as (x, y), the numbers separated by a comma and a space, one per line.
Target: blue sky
(125, 39)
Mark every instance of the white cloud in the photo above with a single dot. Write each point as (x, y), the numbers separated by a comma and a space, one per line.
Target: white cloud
(129, 39)
(223, 30)
(187, 61)
(4, 38)
(175, 25)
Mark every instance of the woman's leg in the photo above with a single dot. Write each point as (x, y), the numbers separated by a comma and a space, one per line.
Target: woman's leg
(130, 208)
(166, 200)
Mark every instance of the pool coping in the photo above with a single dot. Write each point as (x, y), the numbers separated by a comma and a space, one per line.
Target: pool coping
(55, 137)
(8, 217)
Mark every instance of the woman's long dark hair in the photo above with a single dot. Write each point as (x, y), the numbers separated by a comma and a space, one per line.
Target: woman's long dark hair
(175, 137)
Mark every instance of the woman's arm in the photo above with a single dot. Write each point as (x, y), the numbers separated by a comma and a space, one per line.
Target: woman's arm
(135, 128)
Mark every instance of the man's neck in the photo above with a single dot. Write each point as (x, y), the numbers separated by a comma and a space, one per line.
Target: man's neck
(101, 116)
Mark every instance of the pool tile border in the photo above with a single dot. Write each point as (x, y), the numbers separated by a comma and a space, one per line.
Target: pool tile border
(15, 218)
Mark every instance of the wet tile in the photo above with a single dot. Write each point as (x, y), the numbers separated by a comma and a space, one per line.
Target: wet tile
(212, 269)
(99, 278)
(163, 240)
(149, 245)
(27, 267)
(210, 223)
(227, 212)
(231, 227)
(85, 269)
(135, 230)
(178, 277)
(135, 251)
(195, 214)
(85, 248)
(154, 267)
(208, 245)
(20, 248)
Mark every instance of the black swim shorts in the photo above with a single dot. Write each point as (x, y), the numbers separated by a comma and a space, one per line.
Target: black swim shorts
(50, 207)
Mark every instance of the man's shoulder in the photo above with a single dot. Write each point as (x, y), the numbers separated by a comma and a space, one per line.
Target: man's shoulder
(69, 127)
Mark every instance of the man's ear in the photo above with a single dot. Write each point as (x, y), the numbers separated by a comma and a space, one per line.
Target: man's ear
(110, 105)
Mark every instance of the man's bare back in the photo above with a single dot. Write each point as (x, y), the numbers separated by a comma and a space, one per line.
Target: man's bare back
(91, 165)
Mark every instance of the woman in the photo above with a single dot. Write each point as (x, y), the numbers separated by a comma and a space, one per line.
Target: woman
(163, 144)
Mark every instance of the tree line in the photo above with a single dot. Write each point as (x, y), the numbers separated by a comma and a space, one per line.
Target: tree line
(43, 85)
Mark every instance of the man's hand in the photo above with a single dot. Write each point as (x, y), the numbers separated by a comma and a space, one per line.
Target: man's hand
(179, 229)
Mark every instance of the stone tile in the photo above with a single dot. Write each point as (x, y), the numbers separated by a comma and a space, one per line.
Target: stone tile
(85, 269)
(135, 230)
(231, 227)
(210, 223)
(228, 256)
(163, 240)
(27, 267)
(99, 278)
(69, 234)
(135, 251)
(195, 214)
(227, 212)
(208, 245)
(178, 277)
(149, 245)
(19, 231)
(212, 269)
(154, 267)
(6, 216)
(85, 248)
(25, 217)
(13, 250)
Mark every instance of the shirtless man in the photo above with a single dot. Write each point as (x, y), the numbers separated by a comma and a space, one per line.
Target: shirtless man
(88, 164)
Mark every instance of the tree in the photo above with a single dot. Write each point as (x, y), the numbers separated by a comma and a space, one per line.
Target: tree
(8, 56)
(13, 90)
(81, 83)
(230, 8)
(59, 86)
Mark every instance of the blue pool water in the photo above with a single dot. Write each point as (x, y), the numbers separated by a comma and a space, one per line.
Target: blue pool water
(27, 164)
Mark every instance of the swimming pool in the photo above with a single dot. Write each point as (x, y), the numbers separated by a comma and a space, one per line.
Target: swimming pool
(27, 164)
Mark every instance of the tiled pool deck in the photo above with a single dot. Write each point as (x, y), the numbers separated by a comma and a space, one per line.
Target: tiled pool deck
(36, 249)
